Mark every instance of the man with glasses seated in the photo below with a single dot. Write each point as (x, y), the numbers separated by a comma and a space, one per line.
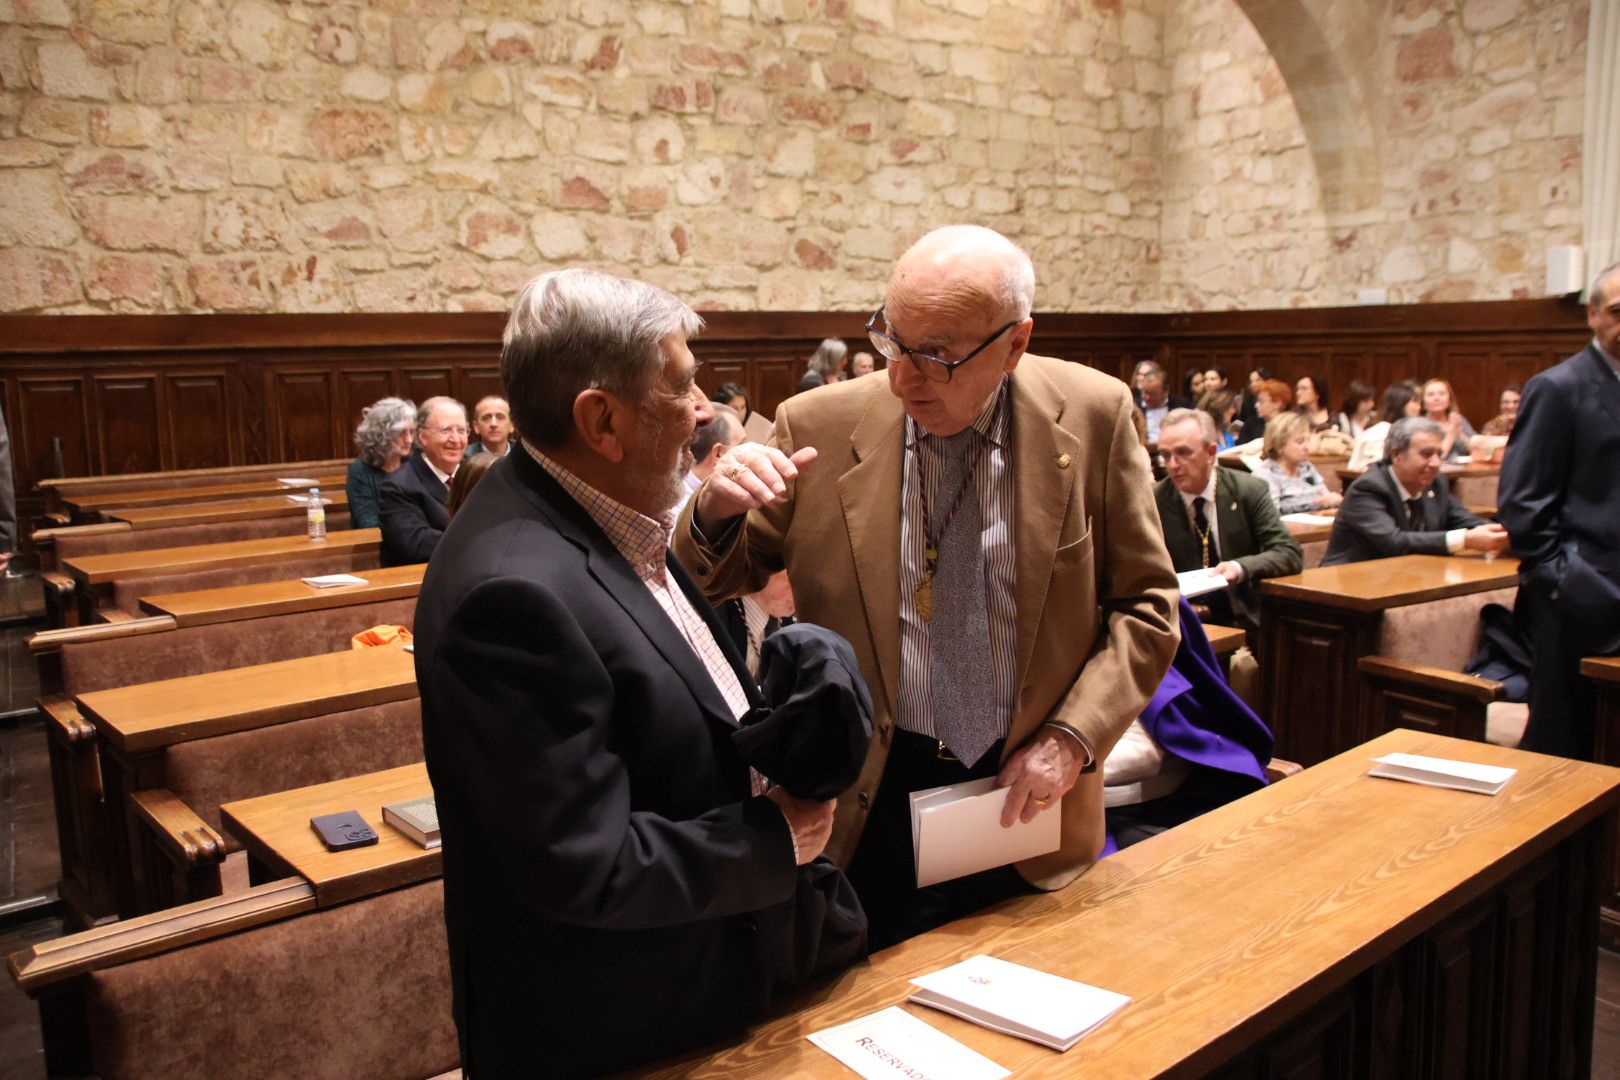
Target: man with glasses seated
(980, 525)
(413, 498)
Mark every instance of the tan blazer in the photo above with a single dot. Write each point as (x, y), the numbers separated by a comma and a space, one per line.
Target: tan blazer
(1097, 624)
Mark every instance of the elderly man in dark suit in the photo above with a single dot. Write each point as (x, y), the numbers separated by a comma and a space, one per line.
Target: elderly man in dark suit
(1560, 500)
(1220, 518)
(609, 877)
(412, 501)
(1403, 506)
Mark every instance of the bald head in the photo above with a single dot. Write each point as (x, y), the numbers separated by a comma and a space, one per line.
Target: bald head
(961, 267)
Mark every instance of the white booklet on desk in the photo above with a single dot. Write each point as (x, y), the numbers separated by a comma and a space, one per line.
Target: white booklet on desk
(1198, 582)
(893, 1043)
(332, 581)
(956, 830)
(1017, 1000)
(1443, 772)
(296, 481)
(1308, 519)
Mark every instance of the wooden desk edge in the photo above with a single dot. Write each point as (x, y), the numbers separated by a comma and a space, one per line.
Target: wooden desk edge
(320, 600)
(1605, 669)
(1281, 589)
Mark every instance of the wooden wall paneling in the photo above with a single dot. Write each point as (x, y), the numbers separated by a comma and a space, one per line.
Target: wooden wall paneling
(774, 382)
(474, 382)
(49, 409)
(198, 432)
(421, 383)
(357, 388)
(130, 427)
(1311, 688)
(1528, 914)
(302, 413)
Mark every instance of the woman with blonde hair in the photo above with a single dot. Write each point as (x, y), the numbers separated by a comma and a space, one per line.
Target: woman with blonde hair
(1296, 485)
(1440, 405)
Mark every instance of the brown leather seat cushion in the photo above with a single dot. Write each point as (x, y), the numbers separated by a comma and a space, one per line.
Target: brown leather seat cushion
(357, 990)
(219, 532)
(170, 654)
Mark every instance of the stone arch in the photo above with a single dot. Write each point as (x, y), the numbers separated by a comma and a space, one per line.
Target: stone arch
(1326, 51)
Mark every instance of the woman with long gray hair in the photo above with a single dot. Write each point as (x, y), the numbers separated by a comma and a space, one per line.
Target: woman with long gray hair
(384, 438)
(825, 364)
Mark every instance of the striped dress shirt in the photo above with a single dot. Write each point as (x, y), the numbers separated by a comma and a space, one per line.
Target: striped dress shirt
(993, 487)
(644, 543)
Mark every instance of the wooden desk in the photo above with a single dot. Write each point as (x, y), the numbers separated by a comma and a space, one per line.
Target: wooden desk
(149, 716)
(1310, 532)
(1604, 671)
(1329, 925)
(176, 496)
(1225, 640)
(1317, 624)
(98, 570)
(209, 513)
(56, 489)
(276, 832)
(237, 602)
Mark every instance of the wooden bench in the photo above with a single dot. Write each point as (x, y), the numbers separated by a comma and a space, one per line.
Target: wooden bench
(55, 489)
(173, 750)
(1332, 925)
(1317, 626)
(258, 983)
(91, 507)
(211, 631)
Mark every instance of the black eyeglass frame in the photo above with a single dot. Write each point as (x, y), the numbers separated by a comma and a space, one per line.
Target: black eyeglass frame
(884, 342)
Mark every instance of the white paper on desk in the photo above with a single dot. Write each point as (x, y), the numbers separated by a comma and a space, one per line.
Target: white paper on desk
(332, 581)
(956, 830)
(1017, 1000)
(1307, 519)
(1198, 582)
(894, 1043)
(302, 499)
(296, 481)
(1443, 772)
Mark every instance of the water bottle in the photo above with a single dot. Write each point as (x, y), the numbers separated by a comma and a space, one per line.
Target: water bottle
(317, 515)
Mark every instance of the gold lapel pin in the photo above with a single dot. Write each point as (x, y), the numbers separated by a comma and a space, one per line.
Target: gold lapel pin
(1063, 461)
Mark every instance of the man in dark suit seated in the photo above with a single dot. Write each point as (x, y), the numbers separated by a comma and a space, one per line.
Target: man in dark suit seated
(1153, 398)
(1403, 506)
(1219, 518)
(1560, 502)
(610, 881)
(412, 501)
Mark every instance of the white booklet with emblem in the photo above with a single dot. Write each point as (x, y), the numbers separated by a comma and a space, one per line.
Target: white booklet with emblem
(894, 1043)
(1017, 1000)
(1198, 582)
(956, 830)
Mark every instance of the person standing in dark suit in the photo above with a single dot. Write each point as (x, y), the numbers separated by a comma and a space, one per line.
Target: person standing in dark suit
(1560, 500)
(1220, 518)
(1403, 506)
(609, 877)
(413, 500)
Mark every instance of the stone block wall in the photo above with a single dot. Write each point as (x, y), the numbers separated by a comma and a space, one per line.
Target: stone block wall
(420, 155)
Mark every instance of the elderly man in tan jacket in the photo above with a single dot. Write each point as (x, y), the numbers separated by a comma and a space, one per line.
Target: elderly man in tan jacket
(981, 527)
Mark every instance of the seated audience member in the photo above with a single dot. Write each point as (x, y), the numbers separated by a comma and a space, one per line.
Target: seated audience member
(1221, 518)
(1221, 407)
(759, 429)
(1246, 408)
(750, 619)
(1357, 409)
(709, 447)
(614, 893)
(1311, 397)
(1507, 412)
(863, 363)
(1196, 746)
(1153, 399)
(1271, 397)
(467, 477)
(1215, 379)
(1440, 405)
(1295, 483)
(1399, 400)
(1192, 387)
(1403, 506)
(415, 497)
(384, 437)
(492, 428)
(825, 366)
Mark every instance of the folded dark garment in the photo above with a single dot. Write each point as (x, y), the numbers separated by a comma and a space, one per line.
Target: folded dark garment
(811, 738)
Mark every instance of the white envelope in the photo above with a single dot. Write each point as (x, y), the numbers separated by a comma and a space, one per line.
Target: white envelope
(893, 1043)
(1443, 772)
(956, 830)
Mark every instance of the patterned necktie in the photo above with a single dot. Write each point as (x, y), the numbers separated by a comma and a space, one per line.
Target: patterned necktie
(1212, 547)
(960, 676)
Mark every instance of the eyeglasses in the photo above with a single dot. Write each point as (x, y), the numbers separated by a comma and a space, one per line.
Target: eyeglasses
(928, 365)
(446, 432)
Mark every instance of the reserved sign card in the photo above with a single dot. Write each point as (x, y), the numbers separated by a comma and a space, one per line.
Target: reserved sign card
(1443, 772)
(894, 1043)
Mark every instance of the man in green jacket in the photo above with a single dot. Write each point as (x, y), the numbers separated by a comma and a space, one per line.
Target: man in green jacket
(1219, 518)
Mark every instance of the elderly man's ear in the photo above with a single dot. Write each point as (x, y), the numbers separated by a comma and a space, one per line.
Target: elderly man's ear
(602, 422)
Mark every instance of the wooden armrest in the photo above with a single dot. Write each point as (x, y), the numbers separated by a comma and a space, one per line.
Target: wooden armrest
(64, 713)
(56, 581)
(1281, 769)
(50, 641)
(179, 831)
(1471, 687)
(163, 931)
